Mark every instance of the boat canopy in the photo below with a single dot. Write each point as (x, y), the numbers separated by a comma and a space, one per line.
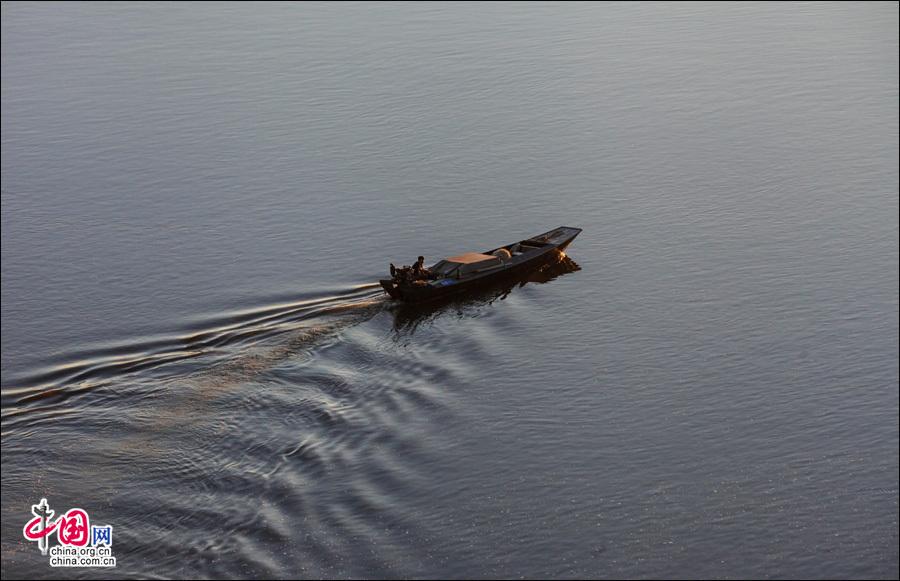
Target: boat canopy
(466, 264)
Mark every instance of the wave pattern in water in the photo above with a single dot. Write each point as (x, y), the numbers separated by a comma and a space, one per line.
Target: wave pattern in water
(213, 338)
(282, 437)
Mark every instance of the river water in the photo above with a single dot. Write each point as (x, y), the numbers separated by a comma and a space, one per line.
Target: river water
(198, 200)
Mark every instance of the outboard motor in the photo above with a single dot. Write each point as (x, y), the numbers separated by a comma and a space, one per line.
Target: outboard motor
(402, 275)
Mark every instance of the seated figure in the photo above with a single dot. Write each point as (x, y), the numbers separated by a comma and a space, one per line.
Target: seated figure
(420, 272)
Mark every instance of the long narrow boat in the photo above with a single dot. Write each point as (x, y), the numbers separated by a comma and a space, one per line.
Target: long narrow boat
(475, 270)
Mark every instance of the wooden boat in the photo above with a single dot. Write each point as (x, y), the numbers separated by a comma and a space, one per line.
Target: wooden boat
(475, 270)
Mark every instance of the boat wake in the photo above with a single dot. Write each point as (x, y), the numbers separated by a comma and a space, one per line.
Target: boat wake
(232, 345)
(217, 352)
(331, 408)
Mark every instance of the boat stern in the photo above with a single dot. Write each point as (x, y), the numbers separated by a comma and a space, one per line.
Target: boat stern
(389, 287)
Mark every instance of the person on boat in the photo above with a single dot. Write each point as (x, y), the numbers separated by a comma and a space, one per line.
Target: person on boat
(420, 272)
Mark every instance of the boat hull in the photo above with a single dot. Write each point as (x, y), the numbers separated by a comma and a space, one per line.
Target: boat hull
(538, 251)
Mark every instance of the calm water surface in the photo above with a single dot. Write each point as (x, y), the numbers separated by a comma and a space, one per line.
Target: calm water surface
(197, 201)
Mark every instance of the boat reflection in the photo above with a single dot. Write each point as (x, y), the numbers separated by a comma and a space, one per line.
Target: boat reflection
(409, 317)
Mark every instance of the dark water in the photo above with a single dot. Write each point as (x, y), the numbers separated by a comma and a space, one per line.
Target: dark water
(197, 200)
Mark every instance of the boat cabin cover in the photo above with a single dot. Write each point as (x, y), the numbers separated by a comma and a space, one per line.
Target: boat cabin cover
(465, 264)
